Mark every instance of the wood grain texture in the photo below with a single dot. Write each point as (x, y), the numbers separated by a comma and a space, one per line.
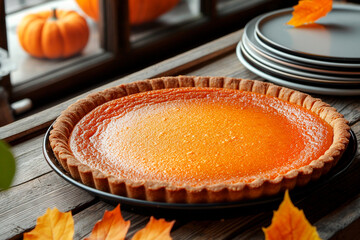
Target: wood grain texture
(37, 187)
(30, 162)
(218, 229)
(20, 206)
(86, 219)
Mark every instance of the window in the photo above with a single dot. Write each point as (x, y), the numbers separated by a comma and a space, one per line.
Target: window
(29, 68)
(115, 47)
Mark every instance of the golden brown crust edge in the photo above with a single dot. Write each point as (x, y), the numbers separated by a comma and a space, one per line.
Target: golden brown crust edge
(154, 191)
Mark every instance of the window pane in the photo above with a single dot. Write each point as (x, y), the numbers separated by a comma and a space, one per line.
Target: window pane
(28, 67)
(18, 5)
(184, 12)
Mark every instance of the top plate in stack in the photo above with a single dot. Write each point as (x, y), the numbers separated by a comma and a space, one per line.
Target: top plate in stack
(321, 58)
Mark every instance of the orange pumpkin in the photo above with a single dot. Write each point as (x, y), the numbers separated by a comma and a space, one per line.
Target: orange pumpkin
(140, 11)
(90, 8)
(53, 34)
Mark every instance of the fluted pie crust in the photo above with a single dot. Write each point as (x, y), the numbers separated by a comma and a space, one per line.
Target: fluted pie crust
(165, 192)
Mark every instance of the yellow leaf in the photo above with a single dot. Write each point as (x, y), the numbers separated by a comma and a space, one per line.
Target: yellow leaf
(155, 230)
(111, 226)
(290, 223)
(308, 11)
(52, 225)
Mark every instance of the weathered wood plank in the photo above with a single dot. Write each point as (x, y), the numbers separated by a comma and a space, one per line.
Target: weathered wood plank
(86, 219)
(348, 106)
(218, 229)
(20, 206)
(32, 150)
(225, 65)
(337, 224)
(35, 188)
(30, 161)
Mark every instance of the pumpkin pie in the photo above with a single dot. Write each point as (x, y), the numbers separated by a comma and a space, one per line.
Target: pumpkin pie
(198, 139)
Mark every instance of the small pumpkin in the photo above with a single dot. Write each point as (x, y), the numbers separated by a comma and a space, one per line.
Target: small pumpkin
(53, 34)
(140, 11)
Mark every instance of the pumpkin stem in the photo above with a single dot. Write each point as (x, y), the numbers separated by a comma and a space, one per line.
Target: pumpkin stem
(53, 15)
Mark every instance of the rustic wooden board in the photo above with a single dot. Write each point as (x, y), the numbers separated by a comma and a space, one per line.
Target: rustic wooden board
(36, 187)
(21, 205)
(30, 162)
(86, 219)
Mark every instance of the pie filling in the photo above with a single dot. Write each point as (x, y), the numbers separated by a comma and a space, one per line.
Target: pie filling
(199, 136)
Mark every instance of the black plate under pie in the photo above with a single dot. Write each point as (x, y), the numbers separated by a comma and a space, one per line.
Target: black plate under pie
(217, 209)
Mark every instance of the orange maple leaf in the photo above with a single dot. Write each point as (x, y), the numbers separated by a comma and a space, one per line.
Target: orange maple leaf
(52, 225)
(308, 11)
(290, 223)
(111, 226)
(155, 230)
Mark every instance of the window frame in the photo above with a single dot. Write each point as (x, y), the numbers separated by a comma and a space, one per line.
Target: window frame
(86, 68)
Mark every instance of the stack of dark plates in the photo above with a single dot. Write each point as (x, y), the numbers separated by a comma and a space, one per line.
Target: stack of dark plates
(321, 58)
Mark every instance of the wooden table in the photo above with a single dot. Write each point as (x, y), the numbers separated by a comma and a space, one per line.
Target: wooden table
(334, 208)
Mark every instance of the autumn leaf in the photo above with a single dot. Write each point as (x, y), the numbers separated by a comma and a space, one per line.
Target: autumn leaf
(7, 166)
(52, 225)
(155, 230)
(290, 223)
(308, 11)
(111, 226)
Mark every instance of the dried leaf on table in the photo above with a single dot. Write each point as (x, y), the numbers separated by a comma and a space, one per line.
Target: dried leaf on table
(290, 223)
(111, 226)
(155, 230)
(52, 225)
(308, 11)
